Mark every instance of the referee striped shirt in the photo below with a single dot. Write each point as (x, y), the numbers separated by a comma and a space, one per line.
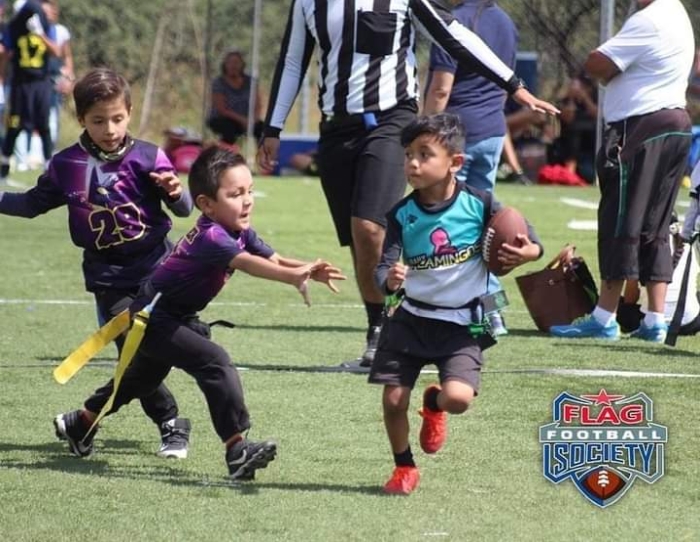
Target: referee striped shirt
(366, 54)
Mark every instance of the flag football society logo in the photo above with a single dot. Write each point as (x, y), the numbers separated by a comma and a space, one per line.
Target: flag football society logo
(603, 443)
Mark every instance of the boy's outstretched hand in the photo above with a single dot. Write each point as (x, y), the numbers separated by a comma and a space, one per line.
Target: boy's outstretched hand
(320, 271)
(512, 256)
(169, 182)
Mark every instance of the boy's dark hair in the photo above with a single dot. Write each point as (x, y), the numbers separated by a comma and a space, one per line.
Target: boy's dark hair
(207, 169)
(446, 128)
(100, 85)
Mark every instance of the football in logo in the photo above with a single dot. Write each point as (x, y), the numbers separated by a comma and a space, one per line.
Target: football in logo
(603, 483)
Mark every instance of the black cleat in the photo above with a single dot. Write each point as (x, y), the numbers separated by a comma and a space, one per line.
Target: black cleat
(175, 436)
(371, 349)
(245, 457)
(70, 427)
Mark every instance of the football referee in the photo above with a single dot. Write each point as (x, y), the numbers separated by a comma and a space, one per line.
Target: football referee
(368, 92)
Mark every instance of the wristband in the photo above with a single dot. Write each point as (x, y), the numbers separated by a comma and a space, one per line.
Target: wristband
(514, 84)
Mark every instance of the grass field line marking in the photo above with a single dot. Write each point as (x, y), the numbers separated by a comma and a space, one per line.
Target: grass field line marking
(580, 203)
(595, 372)
(585, 225)
(213, 303)
(279, 368)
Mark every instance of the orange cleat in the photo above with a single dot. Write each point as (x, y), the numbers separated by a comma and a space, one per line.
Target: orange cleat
(433, 431)
(403, 481)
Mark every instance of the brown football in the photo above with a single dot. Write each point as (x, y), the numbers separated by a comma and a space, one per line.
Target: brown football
(503, 227)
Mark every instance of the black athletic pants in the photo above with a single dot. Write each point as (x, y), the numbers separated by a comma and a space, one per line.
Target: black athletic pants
(159, 405)
(184, 343)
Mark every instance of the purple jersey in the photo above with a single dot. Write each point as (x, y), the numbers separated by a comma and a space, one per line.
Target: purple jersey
(114, 211)
(197, 269)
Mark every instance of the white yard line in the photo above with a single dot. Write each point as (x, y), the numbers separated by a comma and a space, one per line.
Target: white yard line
(580, 203)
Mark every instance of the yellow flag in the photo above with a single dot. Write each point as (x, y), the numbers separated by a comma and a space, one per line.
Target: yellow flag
(77, 359)
(131, 346)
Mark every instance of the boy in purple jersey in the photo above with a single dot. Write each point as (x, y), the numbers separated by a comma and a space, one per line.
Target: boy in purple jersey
(221, 241)
(113, 186)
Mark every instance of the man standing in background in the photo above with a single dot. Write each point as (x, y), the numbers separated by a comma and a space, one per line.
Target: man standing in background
(478, 102)
(368, 92)
(645, 69)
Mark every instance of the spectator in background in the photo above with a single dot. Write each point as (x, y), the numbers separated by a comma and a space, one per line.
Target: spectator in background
(645, 68)
(3, 65)
(230, 99)
(28, 154)
(575, 146)
(477, 101)
(31, 85)
(305, 162)
(694, 89)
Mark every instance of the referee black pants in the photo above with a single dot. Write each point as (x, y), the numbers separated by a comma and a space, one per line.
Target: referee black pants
(361, 166)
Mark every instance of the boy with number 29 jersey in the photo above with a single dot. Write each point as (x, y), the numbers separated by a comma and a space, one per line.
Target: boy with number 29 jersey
(114, 211)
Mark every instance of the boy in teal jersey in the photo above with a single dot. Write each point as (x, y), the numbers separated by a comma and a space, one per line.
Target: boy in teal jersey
(433, 252)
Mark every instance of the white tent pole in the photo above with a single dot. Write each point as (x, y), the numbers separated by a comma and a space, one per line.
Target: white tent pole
(206, 69)
(251, 144)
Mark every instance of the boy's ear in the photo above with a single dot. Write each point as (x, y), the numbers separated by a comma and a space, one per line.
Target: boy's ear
(203, 203)
(457, 162)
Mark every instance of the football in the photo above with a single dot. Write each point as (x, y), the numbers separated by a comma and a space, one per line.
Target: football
(503, 227)
(603, 483)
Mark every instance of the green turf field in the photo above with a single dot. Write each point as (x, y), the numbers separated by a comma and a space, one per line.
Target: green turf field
(333, 458)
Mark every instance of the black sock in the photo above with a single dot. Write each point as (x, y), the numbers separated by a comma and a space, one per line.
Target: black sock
(430, 400)
(374, 313)
(404, 459)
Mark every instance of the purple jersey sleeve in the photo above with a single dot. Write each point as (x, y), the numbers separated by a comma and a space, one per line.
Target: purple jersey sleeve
(183, 205)
(46, 195)
(198, 267)
(115, 211)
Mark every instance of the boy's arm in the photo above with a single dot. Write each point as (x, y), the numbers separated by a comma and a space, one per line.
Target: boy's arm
(531, 233)
(264, 268)
(286, 262)
(182, 206)
(175, 195)
(391, 253)
(36, 201)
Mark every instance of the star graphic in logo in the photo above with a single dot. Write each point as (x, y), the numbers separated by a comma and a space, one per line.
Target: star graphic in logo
(602, 398)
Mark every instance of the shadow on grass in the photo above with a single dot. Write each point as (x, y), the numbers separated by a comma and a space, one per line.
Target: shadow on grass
(287, 327)
(167, 472)
(526, 333)
(631, 346)
(345, 367)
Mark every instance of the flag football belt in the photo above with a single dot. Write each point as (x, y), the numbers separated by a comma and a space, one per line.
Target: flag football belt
(77, 359)
(131, 346)
(479, 328)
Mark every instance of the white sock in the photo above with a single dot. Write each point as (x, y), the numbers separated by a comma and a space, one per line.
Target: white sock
(654, 319)
(603, 317)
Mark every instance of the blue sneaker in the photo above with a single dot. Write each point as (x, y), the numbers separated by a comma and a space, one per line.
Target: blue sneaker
(587, 327)
(654, 334)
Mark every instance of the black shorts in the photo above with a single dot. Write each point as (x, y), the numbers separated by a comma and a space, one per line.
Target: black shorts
(640, 166)
(408, 343)
(30, 104)
(361, 169)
